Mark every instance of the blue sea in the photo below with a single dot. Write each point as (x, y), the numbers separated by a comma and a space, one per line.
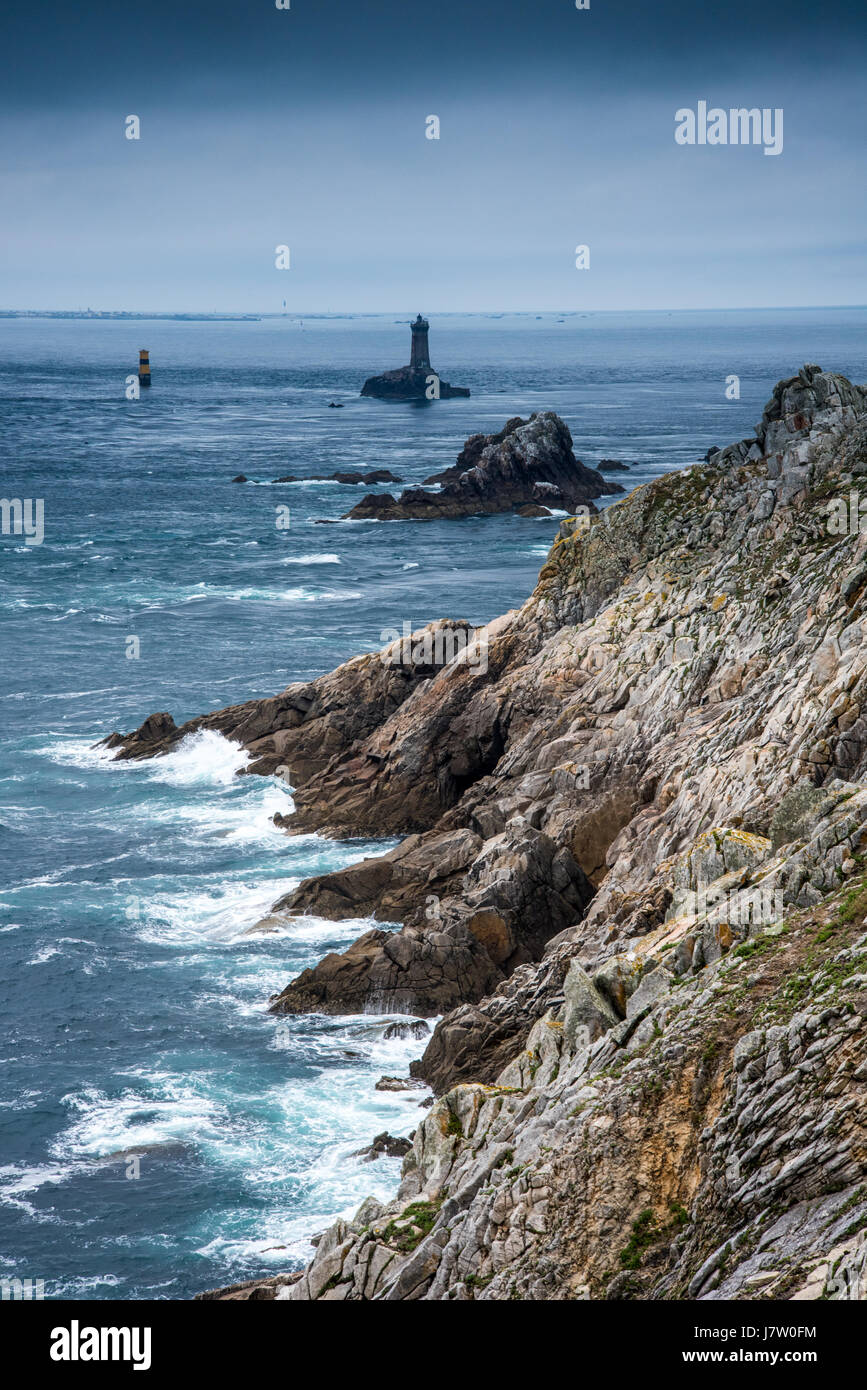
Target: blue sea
(132, 1002)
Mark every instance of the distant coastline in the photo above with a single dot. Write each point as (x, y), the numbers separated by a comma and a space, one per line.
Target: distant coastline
(124, 314)
(394, 314)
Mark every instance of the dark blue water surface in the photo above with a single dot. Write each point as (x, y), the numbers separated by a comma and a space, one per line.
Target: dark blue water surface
(132, 1002)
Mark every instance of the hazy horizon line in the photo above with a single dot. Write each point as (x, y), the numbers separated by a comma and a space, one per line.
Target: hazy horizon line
(439, 313)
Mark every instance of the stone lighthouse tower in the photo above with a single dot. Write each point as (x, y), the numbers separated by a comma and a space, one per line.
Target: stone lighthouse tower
(419, 360)
(418, 381)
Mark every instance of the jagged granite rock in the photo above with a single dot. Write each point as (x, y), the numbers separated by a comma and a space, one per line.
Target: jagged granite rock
(518, 892)
(399, 1083)
(721, 1157)
(615, 748)
(385, 1145)
(528, 464)
(250, 1290)
(309, 722)
(586, 1012)
(417, 1029)
(687, 667)
(424, 972)
(156, 734)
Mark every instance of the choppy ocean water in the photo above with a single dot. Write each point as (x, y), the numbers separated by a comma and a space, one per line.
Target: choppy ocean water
(132, 1003)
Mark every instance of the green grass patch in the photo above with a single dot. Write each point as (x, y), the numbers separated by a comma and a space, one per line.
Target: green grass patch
(422, 1216)
(853, 908)
(646, 1232)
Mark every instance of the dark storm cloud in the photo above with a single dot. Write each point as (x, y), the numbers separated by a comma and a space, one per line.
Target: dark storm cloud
(306, 127)
(337, 49)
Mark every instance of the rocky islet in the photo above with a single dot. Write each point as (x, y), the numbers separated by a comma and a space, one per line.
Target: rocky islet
(528, 467)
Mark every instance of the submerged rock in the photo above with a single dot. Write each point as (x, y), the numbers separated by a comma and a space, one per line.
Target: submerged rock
(399, 1083)
(417, 1029)
(373, 476)
(385, 1145)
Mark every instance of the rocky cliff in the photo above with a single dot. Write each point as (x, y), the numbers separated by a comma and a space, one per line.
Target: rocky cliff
(634, 883)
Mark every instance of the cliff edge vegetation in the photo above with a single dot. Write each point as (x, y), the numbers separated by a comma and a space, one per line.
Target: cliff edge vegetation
(632, 883)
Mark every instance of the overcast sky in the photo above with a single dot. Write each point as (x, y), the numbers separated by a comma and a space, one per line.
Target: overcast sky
(306, 127)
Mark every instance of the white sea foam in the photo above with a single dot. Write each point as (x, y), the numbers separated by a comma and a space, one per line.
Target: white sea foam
(57, 694)
(24, 1100)
(158, 598)
(310, 1175)
(279, 1238)
(205, 759)
(299, 594)
(312, 560)
(138, 1117)
(77, 752)
(194, 918)
(44, 955)
(77, 1288)
(245, 818)
(17, 1181)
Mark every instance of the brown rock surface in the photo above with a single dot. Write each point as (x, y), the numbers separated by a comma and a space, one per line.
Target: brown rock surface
(646, 1096)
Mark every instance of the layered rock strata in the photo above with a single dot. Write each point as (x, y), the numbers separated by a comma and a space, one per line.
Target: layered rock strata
(656, 1091)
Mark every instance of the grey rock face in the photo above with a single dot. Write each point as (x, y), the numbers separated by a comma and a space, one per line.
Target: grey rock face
(744, 1147)
(587, 1013)
(657, 791)
(528, 464)
(654, 986)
